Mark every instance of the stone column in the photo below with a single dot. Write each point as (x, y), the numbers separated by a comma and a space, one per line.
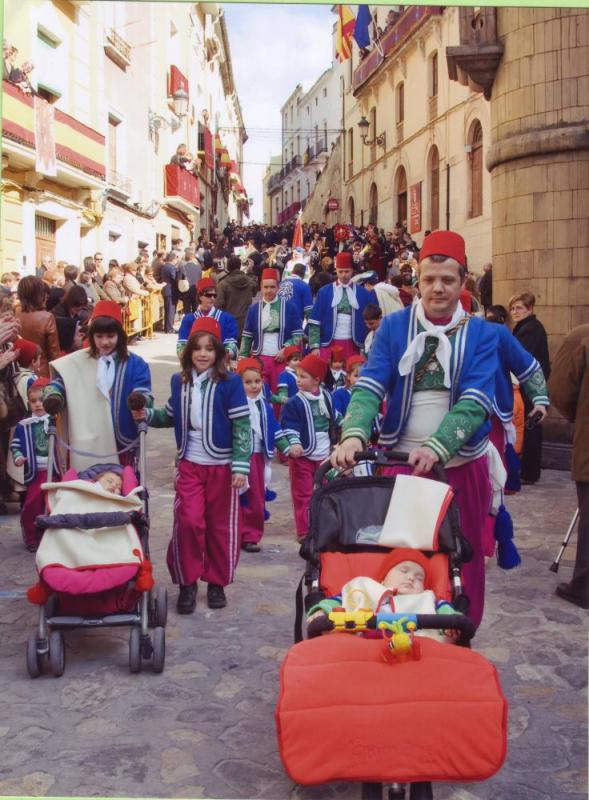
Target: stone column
(539, 163)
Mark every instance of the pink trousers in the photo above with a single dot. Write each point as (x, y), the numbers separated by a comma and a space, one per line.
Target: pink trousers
(252, 528)
(472, 490)
(271, 369)
(347, 346)
(205, 537)
(302, 471)
(33, 506)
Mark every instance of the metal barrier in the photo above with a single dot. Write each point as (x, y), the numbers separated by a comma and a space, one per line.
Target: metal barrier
(142, 314)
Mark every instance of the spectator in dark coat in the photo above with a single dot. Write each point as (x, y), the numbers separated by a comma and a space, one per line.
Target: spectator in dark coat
(192, 271)
(569, 391)
(485, 286)
(168, 276)
(531, 334)
(235, 291)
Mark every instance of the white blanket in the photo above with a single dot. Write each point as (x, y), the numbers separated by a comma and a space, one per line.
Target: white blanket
(75, 548)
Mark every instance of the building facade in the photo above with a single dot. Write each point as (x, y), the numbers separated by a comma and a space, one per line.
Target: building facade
(419, 160)
(118, 87)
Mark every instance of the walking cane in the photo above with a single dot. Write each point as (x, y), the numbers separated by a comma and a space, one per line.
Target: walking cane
(554, 566)
(51, 435)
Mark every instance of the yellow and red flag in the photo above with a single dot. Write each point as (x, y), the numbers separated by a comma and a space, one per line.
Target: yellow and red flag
(346, 23)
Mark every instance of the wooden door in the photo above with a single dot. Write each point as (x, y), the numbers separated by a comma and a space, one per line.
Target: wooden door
(45, 229)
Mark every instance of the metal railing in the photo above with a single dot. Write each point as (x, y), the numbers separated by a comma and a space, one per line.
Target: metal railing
(120, 182)
(120, 45)
(142, 314)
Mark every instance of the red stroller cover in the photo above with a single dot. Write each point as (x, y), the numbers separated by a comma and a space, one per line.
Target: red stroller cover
(344, 713)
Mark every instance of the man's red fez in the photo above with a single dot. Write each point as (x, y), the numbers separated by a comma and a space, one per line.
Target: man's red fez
(344, 260)
(444, 243)
(269, 274)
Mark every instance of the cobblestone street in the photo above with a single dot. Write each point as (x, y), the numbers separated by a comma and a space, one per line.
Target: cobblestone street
(205, 727)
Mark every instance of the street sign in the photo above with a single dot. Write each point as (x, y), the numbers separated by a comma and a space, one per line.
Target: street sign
(333, 204)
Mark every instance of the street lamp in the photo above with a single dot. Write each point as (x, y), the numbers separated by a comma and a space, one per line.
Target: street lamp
(180, 102)
(380, 140)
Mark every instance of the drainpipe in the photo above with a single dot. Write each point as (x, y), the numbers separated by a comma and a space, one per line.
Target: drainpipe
(447, 196)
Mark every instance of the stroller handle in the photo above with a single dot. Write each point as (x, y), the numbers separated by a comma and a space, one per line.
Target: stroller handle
(380, 458)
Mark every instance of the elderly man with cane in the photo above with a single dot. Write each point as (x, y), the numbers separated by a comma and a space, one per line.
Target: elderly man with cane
(569, 390)
(436, 366)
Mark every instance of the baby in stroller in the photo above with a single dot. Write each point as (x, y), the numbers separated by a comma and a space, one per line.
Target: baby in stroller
(94, 568)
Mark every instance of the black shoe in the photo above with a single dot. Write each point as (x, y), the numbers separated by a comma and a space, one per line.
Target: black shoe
(216, 596)
(187, 599)
(564, 590)
(251, 547)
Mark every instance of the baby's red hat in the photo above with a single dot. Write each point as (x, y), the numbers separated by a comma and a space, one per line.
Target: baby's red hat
(108, 308)
(206, 325)
(269, 274)
(315, 366)
(39, 383)
(249, 363)
(444, 243)
(353, 360)
(204, 284)
(28, 351)
(400, 554)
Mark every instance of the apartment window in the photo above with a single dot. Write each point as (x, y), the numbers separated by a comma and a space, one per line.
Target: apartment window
(400, 103)
(434, 189)
(475, 156)
(325, 92)
(434, 75)
(373, 205)
(299, 191)
(50, 62)
(351, 211)
(350, 153)
(401, 193)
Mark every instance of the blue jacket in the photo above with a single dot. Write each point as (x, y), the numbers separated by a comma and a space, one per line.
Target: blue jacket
(513, 357)
(298, 293)
(271, 430)
(227, 322)
(473, 366)
(289, 380)
(223, 402)
(297, 419)
(341, 400)
(23, 442)
(325, 316)
(290, 325)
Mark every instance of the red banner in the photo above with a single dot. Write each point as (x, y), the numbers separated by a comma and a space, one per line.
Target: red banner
(209, 152)
(177, 80)
(415, 208)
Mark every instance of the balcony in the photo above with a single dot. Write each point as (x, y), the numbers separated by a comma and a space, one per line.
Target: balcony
(117, 48)
(274, 182)
(320, 147)
(288, 213)
(182, 190)
(413, 18)
(296, 162)
(80, 151)
(309, 154)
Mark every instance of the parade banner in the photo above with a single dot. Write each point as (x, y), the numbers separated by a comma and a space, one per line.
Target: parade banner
(45, 160)
(415, 208)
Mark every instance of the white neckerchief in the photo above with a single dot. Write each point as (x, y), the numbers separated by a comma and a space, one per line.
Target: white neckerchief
(443, 350)
(196, 398)
(44, 418)
(105, 374)
(255, 419)
(323, 410)
(266, 313)
(210, 313)
(291, 370)
(338, 293)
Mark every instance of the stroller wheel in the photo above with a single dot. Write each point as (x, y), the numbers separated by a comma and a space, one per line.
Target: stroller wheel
(57, 653)
(135, 649)
(159, 606)
(34, 659)
(159, 649)
(372, 791)
(421, 791)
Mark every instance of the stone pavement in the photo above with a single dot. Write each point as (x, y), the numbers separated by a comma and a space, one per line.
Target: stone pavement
(205, 727)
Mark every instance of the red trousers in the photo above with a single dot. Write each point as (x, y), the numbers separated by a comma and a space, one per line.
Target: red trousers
(252, 528)
(205, 538)
(33, 506)
(347, 346)
(302, 472)
(271, 369)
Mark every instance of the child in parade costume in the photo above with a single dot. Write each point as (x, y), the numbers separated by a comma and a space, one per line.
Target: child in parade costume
(341, 397)
(30, 450)
(29, 361)
(308, 421)
(372, 319)
(210, 415)
(336, 374)
(287, 380)
(401, 586)
(207, 294)
(270, 326)
(266, 436)
(94, 386)
(336, 318)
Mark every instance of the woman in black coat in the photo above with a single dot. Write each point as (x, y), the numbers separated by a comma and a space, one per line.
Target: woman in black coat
(531, 334)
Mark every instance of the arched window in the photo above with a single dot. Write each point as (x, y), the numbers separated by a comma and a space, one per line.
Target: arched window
(351, 210)
(401, 194)
(475, 158)
(434, 189)
(373, 205)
